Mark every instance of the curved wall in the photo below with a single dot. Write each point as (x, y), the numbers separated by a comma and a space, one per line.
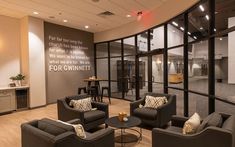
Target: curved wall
(165, 12)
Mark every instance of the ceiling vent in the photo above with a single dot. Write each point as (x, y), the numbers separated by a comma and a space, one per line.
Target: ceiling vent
(105, 14)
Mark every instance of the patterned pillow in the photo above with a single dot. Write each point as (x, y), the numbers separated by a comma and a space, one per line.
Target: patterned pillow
(154, 102)
(82, 104)
(78, 128)
(192, 124)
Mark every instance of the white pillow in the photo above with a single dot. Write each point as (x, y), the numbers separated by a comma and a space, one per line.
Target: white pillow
(191, 125)
(82, 104)
(80, 132)
(154, 102)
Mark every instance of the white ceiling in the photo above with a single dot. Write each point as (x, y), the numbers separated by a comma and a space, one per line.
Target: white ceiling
(80, 12)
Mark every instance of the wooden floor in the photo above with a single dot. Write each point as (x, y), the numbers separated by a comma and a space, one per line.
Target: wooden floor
(10, 135)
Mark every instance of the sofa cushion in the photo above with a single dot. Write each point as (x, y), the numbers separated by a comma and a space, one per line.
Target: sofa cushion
(146, 113)
(214, 119)
(192, 124)
(154, 102)
(174, 129)
(52, 127)
(93, 115)
(82, 104)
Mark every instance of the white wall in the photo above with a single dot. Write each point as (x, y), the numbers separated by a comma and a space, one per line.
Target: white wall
(33, 55)
(9, 49)
(231, 52)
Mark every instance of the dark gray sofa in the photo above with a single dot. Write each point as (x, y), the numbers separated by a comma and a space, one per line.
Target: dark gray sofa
(154, 117)
(210, 136)
(50, 133)
(89, 119)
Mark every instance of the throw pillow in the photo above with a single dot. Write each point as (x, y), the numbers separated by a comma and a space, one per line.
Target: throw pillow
(214, 119)
(78, 128)
(154, 102)
(191, 125)
(82, 104)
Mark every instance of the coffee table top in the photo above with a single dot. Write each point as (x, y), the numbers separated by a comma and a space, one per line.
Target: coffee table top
(114, 122)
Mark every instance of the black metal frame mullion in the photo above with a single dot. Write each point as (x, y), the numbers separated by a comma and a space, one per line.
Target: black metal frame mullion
(150, 76)
(122, 76)
(211, 58)
(109, 71)
(137, 82)
(95, 62)
(186, 101)
(165, 54)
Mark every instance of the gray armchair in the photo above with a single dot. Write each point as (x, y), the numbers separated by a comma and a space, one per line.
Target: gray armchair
(50, 133)
(89, 119)
(210, 136)
(154, 117)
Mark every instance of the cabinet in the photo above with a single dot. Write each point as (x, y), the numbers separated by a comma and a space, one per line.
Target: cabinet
(13, 98)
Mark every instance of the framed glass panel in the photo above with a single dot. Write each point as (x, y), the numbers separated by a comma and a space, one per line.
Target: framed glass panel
(199, 104)
(115, 48)
(157, 73)
(129, 46)
(176, 67)
(142, 42)
(198, 22)
(179, 100)
(143, 75)
(198, 67)
(175, 32)
(102, 65)
(101, 50)
(224, 14)
(157, 38)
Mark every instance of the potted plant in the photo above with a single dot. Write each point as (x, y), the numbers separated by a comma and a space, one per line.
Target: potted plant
(18, 79)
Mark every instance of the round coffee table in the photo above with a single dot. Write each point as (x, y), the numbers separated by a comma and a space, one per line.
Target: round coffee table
(125, 137)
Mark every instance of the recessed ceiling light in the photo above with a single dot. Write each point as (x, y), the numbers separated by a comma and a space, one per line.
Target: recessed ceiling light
(189, 33)
(216, 12)
(65, 20)
(220, 39)
(128, 15)
(214, 30)
(201, 28)
(36, 13)
(182, 28)
(202, 8)
(207, 17)
(194, 37)
(86, 26)
(175, 24)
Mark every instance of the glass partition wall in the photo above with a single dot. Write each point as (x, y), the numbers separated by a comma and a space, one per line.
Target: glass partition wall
(191, 56)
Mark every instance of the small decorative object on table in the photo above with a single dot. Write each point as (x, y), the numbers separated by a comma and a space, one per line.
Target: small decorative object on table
(122, 116)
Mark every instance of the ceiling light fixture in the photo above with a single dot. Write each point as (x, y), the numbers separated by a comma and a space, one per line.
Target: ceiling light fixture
(182, 28)
(220, 39)
(214, 30)
(36, 13)
(139, 15)
(207, 17)
(202, 8)
(175, 24)
(128, 15)
(65, 20)
(86, 26)
(189, 33)
(194, 37)
(201, 28)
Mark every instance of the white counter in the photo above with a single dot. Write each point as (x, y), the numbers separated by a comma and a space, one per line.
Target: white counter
(14, 88)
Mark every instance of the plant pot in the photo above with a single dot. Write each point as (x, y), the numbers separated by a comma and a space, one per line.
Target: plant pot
(18, 82)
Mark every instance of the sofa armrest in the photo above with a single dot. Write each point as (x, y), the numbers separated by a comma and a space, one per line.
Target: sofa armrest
(102, 138)
(102, 107)
(66, 113)
(74, 121)
(178, 121)
(135, 104)
(31, 136)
